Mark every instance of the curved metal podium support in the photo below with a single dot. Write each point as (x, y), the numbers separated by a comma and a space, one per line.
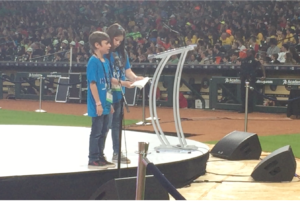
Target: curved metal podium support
(152, 102)
(176, 98)
(165, 145)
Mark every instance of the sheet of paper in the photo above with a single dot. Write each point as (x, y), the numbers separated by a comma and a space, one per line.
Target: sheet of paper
(141, 83)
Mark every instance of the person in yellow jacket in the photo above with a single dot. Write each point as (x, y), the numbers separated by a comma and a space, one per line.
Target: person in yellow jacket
(227, 39)
(193, 38)
(259, 38)
(289, 38)
(279, 38)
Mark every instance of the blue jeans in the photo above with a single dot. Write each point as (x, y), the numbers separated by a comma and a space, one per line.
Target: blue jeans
(97, 137)
(114, 125)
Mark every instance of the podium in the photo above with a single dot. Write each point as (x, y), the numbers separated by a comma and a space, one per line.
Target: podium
(165, 144)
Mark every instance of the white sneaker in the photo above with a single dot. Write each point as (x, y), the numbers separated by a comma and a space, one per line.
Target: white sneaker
(124, 159)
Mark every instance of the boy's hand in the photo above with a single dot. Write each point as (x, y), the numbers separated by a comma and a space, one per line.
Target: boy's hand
(112, 110)
(99, 110)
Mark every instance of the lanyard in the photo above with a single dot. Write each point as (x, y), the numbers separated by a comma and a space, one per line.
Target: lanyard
(107, 79)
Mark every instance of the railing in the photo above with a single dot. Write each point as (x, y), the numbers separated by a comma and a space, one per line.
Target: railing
(294, 83)
(35, 59)
(82, 65)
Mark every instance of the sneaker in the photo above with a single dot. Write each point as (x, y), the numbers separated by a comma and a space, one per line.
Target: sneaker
(97, 164)
(124, 159)
(107, 163)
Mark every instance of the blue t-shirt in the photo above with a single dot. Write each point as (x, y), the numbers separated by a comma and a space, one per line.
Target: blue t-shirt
(95, 72)
(117, 94)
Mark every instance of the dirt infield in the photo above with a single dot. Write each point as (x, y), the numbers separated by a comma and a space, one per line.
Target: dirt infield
(200, 125)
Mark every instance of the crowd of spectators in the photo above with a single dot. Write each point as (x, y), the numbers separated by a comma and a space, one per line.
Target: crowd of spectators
(222, 30)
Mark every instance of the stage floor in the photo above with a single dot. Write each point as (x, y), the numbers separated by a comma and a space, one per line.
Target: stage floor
(37, 150)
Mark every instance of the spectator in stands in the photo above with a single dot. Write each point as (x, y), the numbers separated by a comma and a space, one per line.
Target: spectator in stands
(273, 49)
(289, 37)
(166, 43)
(173, 60)
(283, 50)
(234, 57)
(226, 39)
(274, 58)
(56, 46)
(225, 60)
(192, 60)
(49, 53)
(133, 57)
(57, 58)
(217, 55)
(204, 58)
(289, 59)
(28, 55)
(294, 53)
(280, 38)
(253, 44)
(143, 59)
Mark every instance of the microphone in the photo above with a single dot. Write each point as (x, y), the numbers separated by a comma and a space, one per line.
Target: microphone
(118, 62)
(152, 56)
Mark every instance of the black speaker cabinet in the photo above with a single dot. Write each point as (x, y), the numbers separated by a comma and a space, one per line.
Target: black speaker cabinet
(279, 166)
(238, 145)
(124, 189)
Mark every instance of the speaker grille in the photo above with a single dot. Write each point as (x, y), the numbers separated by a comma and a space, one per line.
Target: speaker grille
(238, 145)
(279, 166)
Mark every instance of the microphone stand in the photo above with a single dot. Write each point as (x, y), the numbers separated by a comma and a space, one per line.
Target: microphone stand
(180, 35)
(123, 102)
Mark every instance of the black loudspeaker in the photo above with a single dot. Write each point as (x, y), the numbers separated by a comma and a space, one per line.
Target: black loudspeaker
(238, 145)
(279, 166)
(124, 189)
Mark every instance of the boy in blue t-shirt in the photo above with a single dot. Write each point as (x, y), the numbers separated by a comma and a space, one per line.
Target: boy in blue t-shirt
(99, 98)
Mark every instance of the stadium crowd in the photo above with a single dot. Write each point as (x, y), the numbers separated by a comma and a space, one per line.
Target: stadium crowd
(222, 30)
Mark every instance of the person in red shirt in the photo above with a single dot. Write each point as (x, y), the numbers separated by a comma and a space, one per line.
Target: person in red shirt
(140, 40)
(182, 101)
(167, 44)
(253, 44)
(158, 22)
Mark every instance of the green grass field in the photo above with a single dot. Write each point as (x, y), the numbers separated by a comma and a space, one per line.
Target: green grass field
(33, 118)
(268, 143)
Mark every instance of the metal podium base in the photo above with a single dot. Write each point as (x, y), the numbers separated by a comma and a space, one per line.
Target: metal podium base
(152, 118)
(143, 123)
(40, 111)
(177, 148)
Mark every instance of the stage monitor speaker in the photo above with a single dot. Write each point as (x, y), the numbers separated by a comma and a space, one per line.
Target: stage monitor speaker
(279, 166)
(124, 189)
(238, 145)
